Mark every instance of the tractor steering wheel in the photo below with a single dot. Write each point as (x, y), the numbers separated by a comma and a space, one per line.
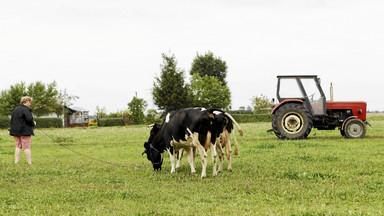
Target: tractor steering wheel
(311, 96)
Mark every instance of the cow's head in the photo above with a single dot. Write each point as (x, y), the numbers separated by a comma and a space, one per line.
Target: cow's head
(220, 121)
(154, 154)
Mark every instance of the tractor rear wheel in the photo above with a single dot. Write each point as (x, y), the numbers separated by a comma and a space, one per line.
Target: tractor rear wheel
(292, 121)
(355, 128)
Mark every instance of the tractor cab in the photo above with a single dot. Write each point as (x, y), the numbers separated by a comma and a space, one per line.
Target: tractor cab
(303, 106)
(303, 88)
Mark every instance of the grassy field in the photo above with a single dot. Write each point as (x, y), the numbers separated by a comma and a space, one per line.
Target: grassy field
(325, 174)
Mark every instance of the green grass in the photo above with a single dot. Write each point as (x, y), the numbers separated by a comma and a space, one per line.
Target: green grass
(325, 174)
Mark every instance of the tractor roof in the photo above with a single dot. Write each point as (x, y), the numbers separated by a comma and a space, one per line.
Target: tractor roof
(297, 76)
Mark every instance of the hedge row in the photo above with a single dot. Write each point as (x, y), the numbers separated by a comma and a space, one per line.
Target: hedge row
(247, 118)
(106, 122)
(49, 122)
(240, 118)
(41, 122)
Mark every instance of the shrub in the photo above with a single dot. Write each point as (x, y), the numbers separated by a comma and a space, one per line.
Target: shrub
(106, 122)
(63, 138)
(49, 122)
(247, 118)
(41, 122)
(5, 122)
(152, 117)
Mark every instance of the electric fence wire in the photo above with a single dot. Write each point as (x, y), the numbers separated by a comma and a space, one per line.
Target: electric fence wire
(86, 156)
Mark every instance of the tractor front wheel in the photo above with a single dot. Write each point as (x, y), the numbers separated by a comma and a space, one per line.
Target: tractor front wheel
(354, 128)
(292, 121)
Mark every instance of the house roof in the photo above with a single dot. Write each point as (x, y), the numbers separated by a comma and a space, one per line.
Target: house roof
(76, 109)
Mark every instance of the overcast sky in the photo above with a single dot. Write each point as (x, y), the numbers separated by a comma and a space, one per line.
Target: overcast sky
(105, 51)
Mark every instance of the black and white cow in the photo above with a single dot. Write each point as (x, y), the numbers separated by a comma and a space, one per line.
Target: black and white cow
(188, 129)
(223, 140)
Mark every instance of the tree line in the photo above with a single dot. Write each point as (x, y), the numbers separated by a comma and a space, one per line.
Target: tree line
(207, 88)
(47, 98)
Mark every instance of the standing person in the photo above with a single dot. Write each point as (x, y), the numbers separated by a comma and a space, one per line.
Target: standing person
(22, 128)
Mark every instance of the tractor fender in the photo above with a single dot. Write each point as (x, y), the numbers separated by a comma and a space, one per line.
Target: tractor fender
(285, 102)
(345, 121)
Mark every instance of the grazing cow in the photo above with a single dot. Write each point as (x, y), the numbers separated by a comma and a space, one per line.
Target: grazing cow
(223, 122)
(225, 141)
(190, 128)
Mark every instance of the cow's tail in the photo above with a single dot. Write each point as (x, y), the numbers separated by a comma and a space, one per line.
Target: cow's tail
(237, 125)
(234, 137)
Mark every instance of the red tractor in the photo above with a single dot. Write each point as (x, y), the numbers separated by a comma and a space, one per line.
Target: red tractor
(305, 107)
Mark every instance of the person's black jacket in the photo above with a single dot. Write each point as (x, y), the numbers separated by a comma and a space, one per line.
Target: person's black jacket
(22, 121)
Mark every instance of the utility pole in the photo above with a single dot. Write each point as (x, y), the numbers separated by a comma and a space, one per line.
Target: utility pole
(64, 104)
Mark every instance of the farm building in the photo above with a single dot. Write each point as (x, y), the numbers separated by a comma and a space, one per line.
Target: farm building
(76, 116)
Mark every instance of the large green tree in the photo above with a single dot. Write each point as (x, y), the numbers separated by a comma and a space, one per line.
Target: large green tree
(46, 98)
(137, 107)
(10, 99)
(169, 90)
(209, 65)
(209, 92)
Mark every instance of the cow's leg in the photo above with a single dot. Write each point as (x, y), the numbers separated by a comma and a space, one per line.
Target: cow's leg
(228, 152)
(172, 158)
(179, 156)
(191, 160)
(220, 152)
(203, 154)
(214, 156)
(194, 156)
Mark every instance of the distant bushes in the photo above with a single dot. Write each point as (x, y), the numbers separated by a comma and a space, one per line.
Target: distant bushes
(150, 119)
(250, 118)
(375, 117)
(49, 122)
(240, 118)
(107, 122)
(5, 122)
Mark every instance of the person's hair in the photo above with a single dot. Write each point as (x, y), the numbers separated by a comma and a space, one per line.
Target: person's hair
(25, 99)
